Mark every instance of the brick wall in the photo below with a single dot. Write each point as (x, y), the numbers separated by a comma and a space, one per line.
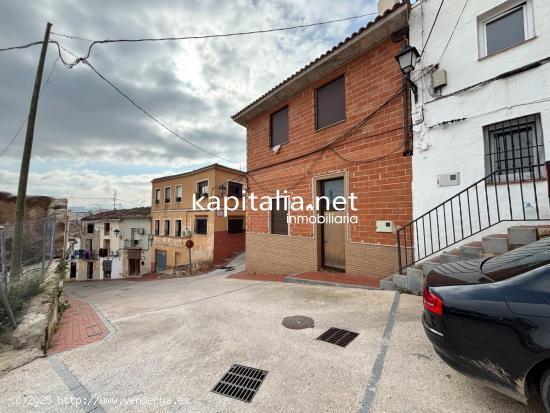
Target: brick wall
(226, 245)
(371, 159)
(279, 254)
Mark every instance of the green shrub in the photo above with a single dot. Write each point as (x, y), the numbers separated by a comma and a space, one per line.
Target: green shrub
(19, 292)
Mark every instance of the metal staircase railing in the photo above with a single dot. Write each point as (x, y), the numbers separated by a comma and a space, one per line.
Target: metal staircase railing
(514, 194)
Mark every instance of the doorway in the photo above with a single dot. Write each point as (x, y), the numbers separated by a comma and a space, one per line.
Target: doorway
(160, 261)
(133, 266)
(90, 272)
(333, 234)
(73, 270)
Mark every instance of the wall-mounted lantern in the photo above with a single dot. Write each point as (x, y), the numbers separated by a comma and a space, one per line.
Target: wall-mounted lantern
(407, 60)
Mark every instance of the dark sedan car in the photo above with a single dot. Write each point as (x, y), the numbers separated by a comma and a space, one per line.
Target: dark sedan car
(490, 319)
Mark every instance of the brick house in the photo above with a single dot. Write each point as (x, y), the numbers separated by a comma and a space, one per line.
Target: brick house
(335, 127)
(175, 219)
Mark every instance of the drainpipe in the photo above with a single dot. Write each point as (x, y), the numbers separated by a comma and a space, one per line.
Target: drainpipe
(407, 147)
(547, 164)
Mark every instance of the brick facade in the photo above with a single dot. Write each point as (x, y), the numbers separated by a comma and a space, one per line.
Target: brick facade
(370, 160)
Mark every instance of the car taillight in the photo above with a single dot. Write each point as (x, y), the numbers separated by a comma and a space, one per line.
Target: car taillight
(432, 302)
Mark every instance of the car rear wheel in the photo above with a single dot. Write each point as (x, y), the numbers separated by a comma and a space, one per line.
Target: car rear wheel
(545, 390)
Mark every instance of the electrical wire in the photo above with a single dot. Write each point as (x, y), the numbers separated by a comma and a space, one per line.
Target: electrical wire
(135, 104)
(453, 32)
(208, 36)
(347, 133)
(27, 117)
(24, 46)
(330, 146)
(431, 29)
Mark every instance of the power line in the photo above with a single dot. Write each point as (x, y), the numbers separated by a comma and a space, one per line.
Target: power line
(431, 29)
(208, 36)
(27, 117)
(129, 99)
(453, 32)
(24, 46)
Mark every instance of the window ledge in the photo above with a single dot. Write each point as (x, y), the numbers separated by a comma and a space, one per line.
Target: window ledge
(331, 125)
(482, 58)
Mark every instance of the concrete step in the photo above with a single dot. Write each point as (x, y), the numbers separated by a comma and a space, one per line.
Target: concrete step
(450, 256)
(427, 266)
(415, 279)
(471, 251)
(388, 284)
(400, 281)
(495, 244)
(522, 235)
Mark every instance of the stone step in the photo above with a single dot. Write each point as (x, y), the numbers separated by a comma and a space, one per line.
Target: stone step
(471, 251)
(522, 235)
(495, 244)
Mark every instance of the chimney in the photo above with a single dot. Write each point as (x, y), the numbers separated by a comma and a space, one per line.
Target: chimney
(384, 5)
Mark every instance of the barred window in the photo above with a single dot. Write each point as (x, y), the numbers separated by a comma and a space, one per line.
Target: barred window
(514, 149)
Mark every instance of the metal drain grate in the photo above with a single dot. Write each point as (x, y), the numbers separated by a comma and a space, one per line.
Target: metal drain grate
(240, 382)
(338, 336)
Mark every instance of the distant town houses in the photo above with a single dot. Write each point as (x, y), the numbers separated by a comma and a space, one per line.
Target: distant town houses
(176, 219)
(112, 244)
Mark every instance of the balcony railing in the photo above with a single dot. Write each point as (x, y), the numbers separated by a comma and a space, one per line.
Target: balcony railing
(501, 196)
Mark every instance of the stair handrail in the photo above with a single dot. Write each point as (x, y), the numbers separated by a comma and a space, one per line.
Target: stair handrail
(536, 173)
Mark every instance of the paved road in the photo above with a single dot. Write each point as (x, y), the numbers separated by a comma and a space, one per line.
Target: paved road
(176, 338)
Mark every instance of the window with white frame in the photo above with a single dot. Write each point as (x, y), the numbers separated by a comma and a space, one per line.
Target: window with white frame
(157, 196)
(505, 26)
(167, 193)
(157, 227)
(177, 228)
(179, 193)
(166, 227)
(514, 149)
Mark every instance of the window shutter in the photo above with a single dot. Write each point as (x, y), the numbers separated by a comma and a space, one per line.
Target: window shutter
(331, 103)
(279, 127)
(278, 218)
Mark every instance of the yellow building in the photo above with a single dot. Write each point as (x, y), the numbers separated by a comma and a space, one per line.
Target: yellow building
(175, 219)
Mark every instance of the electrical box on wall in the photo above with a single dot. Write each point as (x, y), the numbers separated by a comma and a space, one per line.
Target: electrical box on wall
(384, 226)
(439, 78)
(451, 179)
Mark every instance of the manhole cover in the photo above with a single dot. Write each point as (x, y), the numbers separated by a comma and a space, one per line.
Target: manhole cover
(298, 322)
(240, 382)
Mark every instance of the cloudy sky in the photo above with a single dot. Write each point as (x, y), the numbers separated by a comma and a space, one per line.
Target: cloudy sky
(89, 141)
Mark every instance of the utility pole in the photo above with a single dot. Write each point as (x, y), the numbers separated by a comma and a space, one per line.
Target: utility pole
(17, 251)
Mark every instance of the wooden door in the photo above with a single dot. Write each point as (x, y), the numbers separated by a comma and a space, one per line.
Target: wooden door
(333, 235)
